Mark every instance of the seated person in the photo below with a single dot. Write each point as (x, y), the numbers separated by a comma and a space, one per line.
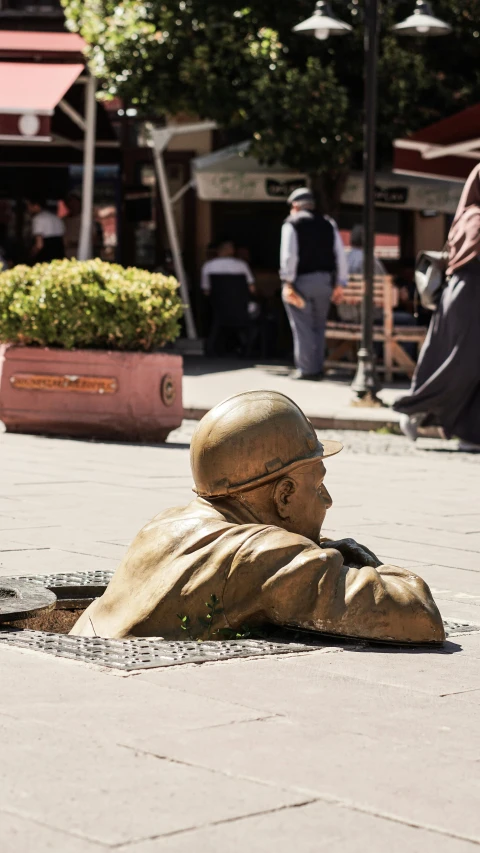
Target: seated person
(251, 538)
(356, 257)
(225, 263)
(355, 265)
(47, 231)
(228, 282)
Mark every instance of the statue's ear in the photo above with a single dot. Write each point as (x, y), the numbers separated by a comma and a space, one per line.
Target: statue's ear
(283, 492)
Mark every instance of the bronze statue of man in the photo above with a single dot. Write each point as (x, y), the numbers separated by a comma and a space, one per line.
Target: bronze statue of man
(251, 543)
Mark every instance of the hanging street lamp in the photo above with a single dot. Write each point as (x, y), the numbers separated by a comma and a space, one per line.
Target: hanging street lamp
(422, 23)
(322, 24)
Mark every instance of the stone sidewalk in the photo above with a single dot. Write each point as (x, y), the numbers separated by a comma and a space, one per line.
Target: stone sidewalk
(348, 749)
(328, 404)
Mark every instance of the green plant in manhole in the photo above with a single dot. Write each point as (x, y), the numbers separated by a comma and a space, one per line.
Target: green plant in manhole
(205, 622)
(205, 630)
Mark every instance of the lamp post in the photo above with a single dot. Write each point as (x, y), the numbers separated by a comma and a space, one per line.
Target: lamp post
(322, 24)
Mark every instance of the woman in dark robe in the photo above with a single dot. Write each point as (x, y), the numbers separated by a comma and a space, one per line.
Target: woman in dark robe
(445, 387)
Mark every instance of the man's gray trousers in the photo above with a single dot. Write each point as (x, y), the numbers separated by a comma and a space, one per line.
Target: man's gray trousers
(308, 323)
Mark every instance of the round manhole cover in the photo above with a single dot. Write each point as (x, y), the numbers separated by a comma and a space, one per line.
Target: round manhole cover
(8, 592)
(21, 599)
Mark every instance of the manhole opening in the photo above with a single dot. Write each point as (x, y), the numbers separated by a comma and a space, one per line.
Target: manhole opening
(73, 592)
(58, 621)
(48, 630)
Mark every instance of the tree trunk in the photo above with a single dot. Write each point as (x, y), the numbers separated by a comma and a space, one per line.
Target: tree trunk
(328, 188)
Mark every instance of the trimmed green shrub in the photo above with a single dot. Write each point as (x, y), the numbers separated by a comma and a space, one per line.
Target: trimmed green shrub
(88, 304)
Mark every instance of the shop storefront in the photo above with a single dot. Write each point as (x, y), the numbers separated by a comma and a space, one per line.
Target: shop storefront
(248, 203)
(226, 192)
(53, 135)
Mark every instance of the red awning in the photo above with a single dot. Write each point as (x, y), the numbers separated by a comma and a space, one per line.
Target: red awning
(34, 87)
(29, 93)
(34, 43)
(448, 149)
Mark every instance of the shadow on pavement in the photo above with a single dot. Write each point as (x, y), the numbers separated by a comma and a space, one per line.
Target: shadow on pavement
(195, 365)
(168, 445)
(201, 365)
(448, 648)
(354, 644)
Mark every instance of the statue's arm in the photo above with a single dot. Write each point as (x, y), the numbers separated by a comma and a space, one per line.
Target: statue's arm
(291, 581)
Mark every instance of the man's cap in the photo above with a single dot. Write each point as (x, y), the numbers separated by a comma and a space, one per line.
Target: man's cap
(302, 194)
(252, 439)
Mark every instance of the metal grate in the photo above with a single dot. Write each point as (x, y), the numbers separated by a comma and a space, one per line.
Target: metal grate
(453, 628)
(76, 579)
(146, 653)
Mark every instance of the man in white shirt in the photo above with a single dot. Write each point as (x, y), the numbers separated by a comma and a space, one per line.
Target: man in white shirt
(47, 232)
(231, 311)
(225, 264)
(313, 270)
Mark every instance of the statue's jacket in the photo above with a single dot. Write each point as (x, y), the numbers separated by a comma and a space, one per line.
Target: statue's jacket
(259, 574)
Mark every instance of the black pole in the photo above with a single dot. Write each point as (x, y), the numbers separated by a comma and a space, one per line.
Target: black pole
(365, 385)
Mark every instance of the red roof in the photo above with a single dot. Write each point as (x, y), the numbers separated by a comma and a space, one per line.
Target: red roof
(35, 87)
(448, 149)
(11, 40)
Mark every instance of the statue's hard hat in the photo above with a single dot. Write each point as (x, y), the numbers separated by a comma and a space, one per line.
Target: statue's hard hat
(251, 439)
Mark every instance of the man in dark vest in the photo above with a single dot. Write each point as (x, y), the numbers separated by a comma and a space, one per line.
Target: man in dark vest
(313, 269)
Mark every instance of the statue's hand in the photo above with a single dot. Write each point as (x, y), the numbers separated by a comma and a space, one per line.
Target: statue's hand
(353, 554)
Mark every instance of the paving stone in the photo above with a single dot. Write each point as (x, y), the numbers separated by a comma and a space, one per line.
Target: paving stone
(362, 766)
(114, 795)
(462, 609)
(9, 504)
(9, 523)
(406, 549)
(458, 584)
(82, 693)
(342, 696)
(66, 540)
(444, 539)
(410, 522)
(7, 543)
(20, 835)
(308, 829)
(48, 560)
(470, 696)
(412, 670)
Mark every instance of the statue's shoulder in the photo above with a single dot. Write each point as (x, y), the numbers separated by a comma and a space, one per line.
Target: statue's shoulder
(180, 523)
(268, 536)
(197, 512)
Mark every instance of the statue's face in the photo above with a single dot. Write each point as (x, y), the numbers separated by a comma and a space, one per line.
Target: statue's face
(308, 503)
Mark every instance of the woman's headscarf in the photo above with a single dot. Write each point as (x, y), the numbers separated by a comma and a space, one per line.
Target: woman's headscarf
(464, 235)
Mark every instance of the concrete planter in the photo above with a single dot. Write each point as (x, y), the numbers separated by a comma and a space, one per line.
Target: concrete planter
(129, 396)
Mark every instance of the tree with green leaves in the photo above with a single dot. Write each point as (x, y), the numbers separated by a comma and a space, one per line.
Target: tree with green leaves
(299, 99)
